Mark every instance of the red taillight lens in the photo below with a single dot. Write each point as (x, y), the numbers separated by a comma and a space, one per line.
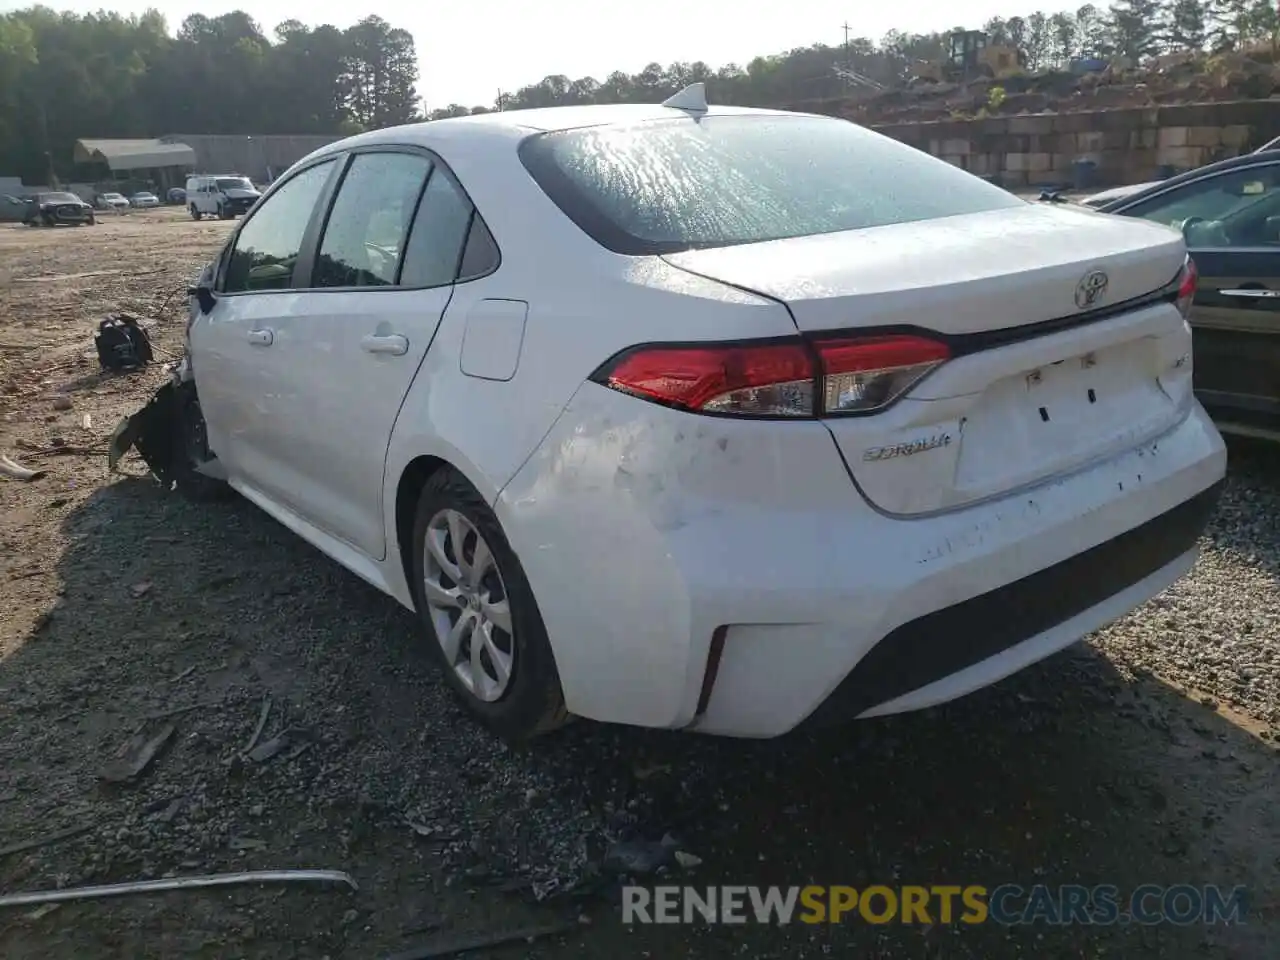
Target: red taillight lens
(778, 379)
(1187, 287)
(859, 376)
(764, 380)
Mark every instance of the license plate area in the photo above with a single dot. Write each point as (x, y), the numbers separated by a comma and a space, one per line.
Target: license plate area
(1065, 390)
(1053, 417)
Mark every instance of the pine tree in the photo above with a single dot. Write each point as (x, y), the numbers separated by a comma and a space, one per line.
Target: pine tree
(1187, 27)
(1136, 27)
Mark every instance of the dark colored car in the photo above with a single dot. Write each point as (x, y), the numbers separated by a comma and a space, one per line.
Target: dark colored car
(1229, 213)
(176, 195)
(54, 208)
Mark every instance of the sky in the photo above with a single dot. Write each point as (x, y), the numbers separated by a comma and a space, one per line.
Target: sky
(469, 50)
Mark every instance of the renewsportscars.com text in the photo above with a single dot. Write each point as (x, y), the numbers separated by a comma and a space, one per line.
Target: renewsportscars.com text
(1007, 904)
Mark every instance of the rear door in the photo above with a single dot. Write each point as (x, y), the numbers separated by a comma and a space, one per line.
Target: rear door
(1231, 220)
(352, 342)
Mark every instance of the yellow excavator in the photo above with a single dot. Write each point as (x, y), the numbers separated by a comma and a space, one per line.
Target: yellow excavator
(970, 54)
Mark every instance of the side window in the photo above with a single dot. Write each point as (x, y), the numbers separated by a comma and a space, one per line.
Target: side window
(439, 230)
(1232, 209)
(481, 253)
(268, 244)
(365, 233)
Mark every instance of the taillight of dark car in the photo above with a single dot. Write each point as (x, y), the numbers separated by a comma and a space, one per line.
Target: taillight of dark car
(1186, 282)
(785, 379)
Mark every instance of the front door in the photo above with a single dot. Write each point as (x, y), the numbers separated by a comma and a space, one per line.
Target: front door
(233, 350)
(351, 344)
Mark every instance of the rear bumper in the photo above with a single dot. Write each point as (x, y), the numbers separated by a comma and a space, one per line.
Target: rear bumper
(646, 532)
(917, 657)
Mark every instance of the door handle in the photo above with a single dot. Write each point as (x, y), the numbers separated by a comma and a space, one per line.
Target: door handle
(388, 343)
(261, 338)
(1252, 293)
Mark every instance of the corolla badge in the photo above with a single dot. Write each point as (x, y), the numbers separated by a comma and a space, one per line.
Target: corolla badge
(908, 449)
(1091, 288)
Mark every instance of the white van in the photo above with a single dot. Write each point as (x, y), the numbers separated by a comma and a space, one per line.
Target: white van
(222, 195)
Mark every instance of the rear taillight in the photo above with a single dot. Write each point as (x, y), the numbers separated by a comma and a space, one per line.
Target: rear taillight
(766, 380)
(1187, 287)
(791, 379)
(864, 375)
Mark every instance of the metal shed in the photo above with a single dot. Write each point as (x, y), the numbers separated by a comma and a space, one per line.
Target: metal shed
(147, 161)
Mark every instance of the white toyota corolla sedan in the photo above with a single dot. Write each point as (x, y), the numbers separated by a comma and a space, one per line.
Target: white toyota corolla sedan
(718, 419)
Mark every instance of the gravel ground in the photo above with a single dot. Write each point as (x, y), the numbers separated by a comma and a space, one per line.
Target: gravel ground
(1146, 755)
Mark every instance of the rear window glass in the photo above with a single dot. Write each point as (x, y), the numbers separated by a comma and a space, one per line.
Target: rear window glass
(677, 184)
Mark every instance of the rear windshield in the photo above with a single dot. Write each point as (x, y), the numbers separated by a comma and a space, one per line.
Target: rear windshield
(678, 184)
(59, 198)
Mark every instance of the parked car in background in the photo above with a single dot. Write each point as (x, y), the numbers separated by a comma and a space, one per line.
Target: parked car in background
(1229, 213)
(57, 208)
(176, 196)
(12, 209)
(1115, 194)
(144, 198)
(1104, 197)
(223, 196)
(113, 201)
(671, 415)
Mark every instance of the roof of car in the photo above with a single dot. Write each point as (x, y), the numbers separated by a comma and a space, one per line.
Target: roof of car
(1245, 160)
(566, 118)
(516, 124)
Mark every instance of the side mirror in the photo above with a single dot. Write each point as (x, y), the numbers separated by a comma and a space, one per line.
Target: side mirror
(204, 296)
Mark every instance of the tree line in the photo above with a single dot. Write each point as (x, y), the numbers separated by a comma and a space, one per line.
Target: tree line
(65, 77)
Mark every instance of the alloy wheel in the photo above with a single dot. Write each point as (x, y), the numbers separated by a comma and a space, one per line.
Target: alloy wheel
(468, 605)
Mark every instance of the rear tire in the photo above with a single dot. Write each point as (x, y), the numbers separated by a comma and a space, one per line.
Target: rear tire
(510, 683)
(195, 214)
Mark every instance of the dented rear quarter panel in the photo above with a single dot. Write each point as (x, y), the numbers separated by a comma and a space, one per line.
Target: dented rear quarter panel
(487, 428)
(642, 529)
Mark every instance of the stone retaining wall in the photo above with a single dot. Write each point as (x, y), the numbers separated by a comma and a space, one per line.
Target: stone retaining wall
(1127, 146)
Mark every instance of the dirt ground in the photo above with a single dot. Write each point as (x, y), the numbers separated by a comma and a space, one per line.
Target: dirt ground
(119, 603)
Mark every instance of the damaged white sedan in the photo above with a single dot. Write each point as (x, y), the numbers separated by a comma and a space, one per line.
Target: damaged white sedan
(692, 417)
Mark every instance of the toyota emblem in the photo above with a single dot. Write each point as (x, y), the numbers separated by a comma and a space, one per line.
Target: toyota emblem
(1091, 288)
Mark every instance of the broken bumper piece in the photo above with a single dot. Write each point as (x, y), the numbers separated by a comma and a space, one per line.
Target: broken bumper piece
(168, 433)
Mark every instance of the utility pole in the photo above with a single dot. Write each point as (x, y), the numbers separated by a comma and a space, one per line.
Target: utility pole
(848, 64)
(499, 101)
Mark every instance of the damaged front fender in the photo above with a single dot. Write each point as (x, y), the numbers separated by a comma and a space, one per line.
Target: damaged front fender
(169, 434)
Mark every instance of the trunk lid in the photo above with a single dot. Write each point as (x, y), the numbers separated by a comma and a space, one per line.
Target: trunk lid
(984, 271)
(993, 418)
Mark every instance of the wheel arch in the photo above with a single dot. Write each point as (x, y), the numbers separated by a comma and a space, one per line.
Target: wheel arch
(410, 478)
